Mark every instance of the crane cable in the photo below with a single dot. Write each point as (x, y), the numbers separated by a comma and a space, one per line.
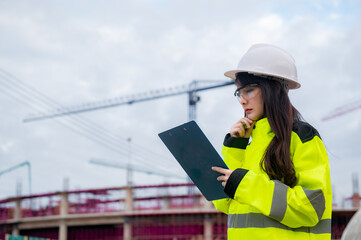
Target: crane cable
(96, 131)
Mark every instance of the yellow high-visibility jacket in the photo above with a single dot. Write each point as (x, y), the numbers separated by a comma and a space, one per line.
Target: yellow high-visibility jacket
(260, 208)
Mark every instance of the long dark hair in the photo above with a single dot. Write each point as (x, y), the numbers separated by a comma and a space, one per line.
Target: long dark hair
(281, 115)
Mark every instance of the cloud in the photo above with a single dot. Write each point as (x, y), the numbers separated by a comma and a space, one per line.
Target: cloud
(5, 147)
(85, 52)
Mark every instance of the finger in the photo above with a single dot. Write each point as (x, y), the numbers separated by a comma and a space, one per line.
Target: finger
(246, 125)
(248, 122)
(224, 184)
(237, 126)
(219, 169)
(235, 133)
(222, 178)
(251, 126)
(244, 120)
(240, 121)
(240, 132)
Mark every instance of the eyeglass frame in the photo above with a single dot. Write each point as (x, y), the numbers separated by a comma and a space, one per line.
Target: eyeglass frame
(236, 93)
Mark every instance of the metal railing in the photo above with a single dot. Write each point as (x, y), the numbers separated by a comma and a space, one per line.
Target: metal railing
(104, 200)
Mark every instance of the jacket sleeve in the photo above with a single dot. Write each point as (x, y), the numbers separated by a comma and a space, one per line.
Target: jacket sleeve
(231, 147)
(302, 205)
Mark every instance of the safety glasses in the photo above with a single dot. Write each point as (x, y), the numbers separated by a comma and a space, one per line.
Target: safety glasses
(247, 92)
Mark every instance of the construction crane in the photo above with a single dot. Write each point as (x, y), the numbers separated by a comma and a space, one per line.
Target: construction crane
(343, 110)
(26, 163)
(191, 89)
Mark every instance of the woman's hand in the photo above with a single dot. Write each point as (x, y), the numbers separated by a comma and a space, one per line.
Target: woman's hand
(242, 128)
(223, 178)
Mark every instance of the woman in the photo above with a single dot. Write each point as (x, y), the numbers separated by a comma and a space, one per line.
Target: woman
(279, 182)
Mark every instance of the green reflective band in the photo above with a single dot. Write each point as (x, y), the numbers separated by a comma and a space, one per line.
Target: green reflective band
(279, 201)
(258, 220)
(317, 199)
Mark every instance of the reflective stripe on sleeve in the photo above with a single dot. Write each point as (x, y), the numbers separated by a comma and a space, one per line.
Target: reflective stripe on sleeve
(317, 199)
(258, 220)
(279, 200)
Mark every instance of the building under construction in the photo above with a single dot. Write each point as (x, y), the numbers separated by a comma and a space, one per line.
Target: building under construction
(168, 211)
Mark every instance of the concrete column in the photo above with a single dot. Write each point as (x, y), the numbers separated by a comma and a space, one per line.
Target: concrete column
(17, 215)
(64, 210)
(127, 231)
(208, 227)
(17, 212)
(15, 231)
(166, 201)
(129, 199)
(63, 230)
(64, 204)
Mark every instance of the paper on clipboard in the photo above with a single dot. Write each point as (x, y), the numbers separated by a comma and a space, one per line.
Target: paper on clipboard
(192, 149)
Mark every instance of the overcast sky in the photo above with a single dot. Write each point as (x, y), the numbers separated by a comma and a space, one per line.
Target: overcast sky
(75, 52)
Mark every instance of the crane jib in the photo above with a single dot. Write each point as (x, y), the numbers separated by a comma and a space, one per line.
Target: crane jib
(193, 87)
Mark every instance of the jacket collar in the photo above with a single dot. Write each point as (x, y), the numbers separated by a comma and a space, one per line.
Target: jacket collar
(261, 128)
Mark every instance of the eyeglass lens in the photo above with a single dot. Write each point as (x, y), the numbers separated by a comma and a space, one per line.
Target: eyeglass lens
(246, 93)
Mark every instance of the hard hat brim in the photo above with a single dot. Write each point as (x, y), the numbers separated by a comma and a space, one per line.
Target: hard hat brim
(291, 83)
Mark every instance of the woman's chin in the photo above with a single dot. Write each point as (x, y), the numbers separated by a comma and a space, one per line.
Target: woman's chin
(254, 118)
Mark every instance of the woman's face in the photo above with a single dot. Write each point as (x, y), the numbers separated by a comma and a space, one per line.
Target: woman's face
(252, 102)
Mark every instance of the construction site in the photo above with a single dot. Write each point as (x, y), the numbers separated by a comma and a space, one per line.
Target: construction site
(149, 212)
(137, 212)
(88, 87)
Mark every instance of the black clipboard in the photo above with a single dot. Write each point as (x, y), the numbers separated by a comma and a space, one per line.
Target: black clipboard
(196, 155)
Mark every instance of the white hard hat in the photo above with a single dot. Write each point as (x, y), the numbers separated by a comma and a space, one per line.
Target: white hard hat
(268, 61)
